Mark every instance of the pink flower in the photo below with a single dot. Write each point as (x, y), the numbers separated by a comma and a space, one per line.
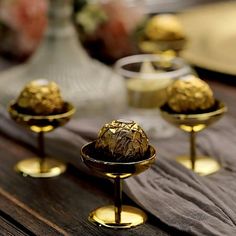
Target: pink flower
(128, 16)
(115, 35)
(117, 31)
(27, 19)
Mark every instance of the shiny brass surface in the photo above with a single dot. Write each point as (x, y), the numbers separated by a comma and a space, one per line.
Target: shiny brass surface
(193, 123)
(117, 216)
(203, 165)
(115, 169)
(163, 47)
(105, 216)
(41, 166)
(39, 123)
(38, 168)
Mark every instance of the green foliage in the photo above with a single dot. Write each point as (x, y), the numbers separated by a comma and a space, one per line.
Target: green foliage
(139, 30)
(90, 17)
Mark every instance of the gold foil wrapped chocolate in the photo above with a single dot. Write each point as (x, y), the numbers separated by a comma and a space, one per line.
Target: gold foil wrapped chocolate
(41, 97)
(190, 95)
(122, 141)
(164, 27)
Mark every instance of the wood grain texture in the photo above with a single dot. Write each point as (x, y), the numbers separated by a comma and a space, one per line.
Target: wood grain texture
(60, 206)
(57, 206)
(8, 226)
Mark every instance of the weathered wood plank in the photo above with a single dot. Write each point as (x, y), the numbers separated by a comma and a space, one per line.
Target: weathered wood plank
(60, 206)
(57, 206)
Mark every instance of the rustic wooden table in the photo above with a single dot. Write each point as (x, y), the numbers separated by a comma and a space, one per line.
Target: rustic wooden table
(60, 206)
(57, 206)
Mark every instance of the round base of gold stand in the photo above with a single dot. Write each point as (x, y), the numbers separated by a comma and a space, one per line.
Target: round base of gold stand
(32, 167)
(130, 217)
(204, 165)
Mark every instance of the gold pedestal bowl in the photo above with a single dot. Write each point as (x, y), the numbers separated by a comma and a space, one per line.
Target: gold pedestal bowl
(193, 123)
(116, 216)
(164, 47)
(41, 166)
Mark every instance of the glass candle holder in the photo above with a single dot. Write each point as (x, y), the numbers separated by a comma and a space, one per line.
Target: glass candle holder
(147, 76)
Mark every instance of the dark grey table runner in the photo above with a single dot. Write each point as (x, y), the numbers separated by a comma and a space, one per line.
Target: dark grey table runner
(178, 197)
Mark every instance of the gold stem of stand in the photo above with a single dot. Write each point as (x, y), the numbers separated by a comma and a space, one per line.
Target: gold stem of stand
(41, 150)
(192, 149)
(118, 199)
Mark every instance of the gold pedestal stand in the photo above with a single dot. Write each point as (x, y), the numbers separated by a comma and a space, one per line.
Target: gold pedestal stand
(169, 48)
(116, 216)
(203, 165)
(41, 166)
(193, 123)
(129, 217)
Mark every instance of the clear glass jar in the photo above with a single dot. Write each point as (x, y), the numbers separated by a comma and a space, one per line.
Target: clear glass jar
(147, 77)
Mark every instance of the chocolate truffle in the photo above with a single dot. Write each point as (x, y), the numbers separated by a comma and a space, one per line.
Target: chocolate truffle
(40, 97)
(122, 141)
(190, 95)
(164, 27)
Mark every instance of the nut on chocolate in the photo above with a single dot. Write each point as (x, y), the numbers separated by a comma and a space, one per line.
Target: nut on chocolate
(190, 94)
(41, 97)
(122, 140)
(164, 27)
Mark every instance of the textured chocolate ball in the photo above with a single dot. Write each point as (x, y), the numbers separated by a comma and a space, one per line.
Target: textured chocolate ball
(164, 27)
(122, 141)
(41, 97)
(190, 95)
